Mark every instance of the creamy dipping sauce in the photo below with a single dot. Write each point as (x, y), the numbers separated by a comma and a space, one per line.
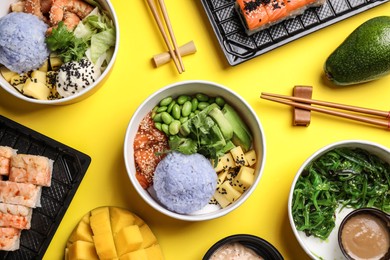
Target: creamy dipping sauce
(365, 237)
(235, 251)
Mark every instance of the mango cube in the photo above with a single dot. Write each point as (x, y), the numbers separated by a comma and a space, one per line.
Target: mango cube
(225, 162)
(82, 250)
(148, 236)
(228, 191)
(128, 239)
(120, 218)
(136, 255)
(221, 199)
(154, 252)
(244, 179)
(250, 157)
(36, 89)
(82, 232)
(100, 222)
(7, 74)
(105, 246)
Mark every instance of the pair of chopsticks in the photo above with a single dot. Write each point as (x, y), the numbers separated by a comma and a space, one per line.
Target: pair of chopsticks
(173, 51)
(372, 116)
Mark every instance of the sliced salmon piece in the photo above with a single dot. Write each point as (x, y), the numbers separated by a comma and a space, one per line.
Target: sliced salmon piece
(254, 14)
(276, 10)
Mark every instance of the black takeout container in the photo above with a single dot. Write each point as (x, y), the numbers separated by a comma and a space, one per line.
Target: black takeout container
(69, 168)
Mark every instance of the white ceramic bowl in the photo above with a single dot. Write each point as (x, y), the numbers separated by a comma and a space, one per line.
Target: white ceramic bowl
(329, 249)
(106, 5)
(189, 88)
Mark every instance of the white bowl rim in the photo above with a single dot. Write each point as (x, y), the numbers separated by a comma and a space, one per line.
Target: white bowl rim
(206, 216)
(314, 155)
(77, 96)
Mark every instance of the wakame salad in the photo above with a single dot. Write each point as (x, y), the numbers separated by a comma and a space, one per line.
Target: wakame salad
(342, 177)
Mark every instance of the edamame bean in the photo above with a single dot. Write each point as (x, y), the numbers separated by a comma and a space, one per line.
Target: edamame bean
(161, 109)
(194, 103)
(182, 99)
(166, 101)
(220, 101)
(166, 117)
(158, 125)
(169, 109)
(176, 113)
(174, 127)
(165, 128)
(202, 97)
(157, 117)
(186, 110)
(191, 115)
(183, 119)
(202, 105)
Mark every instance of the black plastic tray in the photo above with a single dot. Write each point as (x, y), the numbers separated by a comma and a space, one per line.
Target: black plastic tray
(239, 47)
(69, 169)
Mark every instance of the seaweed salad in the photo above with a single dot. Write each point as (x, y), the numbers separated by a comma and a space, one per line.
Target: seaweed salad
(346, 177)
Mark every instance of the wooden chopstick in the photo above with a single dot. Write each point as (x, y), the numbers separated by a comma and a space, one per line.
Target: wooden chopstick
(156, 16)
(363, 110)
(360, 118)
(170, 30)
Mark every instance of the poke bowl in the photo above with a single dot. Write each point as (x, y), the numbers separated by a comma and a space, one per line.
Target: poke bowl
(53, 54)
(334, 181)
(198, 171)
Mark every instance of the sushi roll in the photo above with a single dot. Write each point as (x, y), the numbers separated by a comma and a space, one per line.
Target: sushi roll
(5, 156)
(257, 15)
(32, 169)
(9, 238)
(25, 194)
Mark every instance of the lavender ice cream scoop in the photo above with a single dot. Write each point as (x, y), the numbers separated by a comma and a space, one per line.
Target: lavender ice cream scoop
(22, 42)
(184, 183)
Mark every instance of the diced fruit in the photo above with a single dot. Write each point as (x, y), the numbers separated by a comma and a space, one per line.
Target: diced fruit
(7, 74)
(36, 90)
(55, 62)
(244, 179)
(105, 246)
(238, 156)
(45, 66)
(116, 234)
(38, 76)
(128, 239)
(225, 162)
(229, 192)
(221, 199)
(221, 177)
(148, 236)
(120, 218)
(100, 222)
(18, 79)
(82, 250)
(250, 157)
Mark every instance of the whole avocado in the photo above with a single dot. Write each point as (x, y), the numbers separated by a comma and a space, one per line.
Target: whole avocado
(363, 56)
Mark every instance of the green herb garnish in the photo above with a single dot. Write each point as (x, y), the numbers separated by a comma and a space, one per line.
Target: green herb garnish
(342, 177)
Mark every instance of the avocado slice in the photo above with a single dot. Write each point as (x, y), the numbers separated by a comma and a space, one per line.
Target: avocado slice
(241, 134)
(363, 56)
(223, 124)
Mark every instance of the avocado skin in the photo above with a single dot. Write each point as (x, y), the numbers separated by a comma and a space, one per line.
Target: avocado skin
(363, 56)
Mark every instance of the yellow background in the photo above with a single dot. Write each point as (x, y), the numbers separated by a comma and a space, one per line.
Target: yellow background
(96, 126)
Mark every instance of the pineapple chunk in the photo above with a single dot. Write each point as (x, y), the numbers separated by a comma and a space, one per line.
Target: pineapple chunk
(250, 157)
(36, 90)
(105, 246)
(244, 179)
(45, 66)
(238, 156)
(225, 162)
(229, 192)
(38, 76)
(128, 239)
(55, 62)
(7, 74)
(222, 177)
(148, 236)
(120, 218)
(18, 79)
(82, 250)
(221, 199)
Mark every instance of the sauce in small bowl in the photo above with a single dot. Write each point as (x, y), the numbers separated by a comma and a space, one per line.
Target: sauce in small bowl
(365, 234)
